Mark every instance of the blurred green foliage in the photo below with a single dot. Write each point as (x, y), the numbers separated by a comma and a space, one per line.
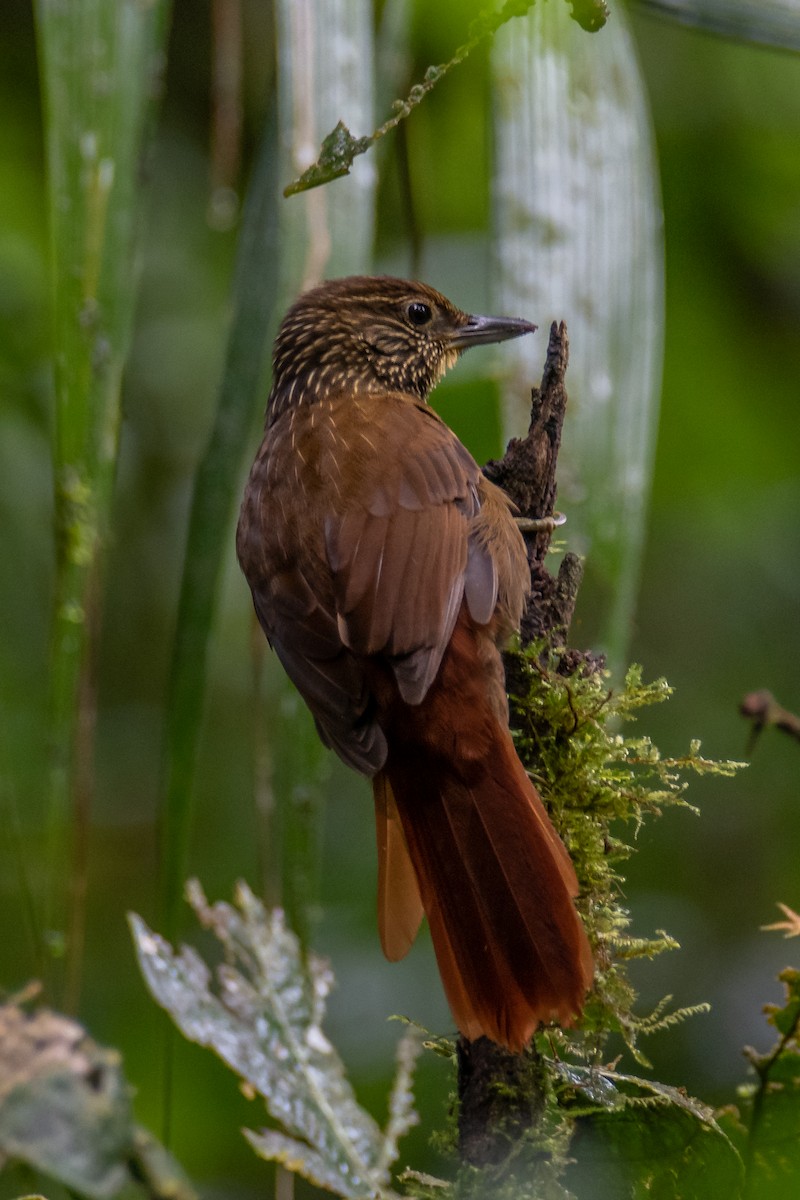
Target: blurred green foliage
(720, 591)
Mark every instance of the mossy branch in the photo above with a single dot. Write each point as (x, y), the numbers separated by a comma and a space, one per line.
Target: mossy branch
(517, 1114)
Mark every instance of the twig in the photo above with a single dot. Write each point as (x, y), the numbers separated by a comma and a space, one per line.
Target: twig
(527, 473)
(763, 709)
(340, 147)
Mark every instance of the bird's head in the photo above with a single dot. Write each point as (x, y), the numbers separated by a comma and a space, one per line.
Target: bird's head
(374, 333)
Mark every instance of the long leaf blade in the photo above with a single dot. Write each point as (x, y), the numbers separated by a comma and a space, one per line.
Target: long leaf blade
(579, 239)
(767, 22)
(255, 293)
(100, 63)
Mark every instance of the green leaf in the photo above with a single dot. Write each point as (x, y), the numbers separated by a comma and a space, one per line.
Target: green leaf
(339, 149)
(65, 1110)
(785, 1019)
(643, 1138)
(769, 22)
(771, 1107)
(773, 1160)
(301, 1159)
(656, 1144)
(610, 1089)
(262, 1014)
(64, 1105)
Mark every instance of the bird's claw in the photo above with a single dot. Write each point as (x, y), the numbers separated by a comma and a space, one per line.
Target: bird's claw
(540, 524)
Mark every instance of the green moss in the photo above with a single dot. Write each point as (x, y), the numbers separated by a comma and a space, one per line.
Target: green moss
(600, 784)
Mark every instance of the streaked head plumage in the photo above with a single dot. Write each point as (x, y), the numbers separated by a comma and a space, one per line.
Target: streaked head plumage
(373, 333)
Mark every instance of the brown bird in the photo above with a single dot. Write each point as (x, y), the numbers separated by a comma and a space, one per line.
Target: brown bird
(386, 571)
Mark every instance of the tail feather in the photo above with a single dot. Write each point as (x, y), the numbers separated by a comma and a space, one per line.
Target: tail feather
(496, 884)
(476, 1014)
(495, 880)
(399, 904)
(497, 887)
(517, 875)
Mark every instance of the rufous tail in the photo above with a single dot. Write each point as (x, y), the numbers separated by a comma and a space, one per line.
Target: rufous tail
(492, 875)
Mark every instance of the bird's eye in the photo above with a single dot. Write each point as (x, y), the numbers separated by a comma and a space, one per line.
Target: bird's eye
(419, 313)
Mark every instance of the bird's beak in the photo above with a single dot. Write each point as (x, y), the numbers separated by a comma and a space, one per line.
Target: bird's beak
(480, 331)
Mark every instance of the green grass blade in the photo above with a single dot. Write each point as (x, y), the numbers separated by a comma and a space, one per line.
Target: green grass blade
(254, 298)
(99, 62)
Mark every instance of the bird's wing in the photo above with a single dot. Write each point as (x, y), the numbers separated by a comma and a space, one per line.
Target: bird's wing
(398, 542)
(386, 575)
(326, 673)
(280, 548)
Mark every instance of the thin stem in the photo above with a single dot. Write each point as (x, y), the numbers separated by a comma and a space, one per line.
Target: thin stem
(217, 476)
(763, 1067)
(340, 147)
(83, 790)
(284, 1184)
(267, 833)
(226, 111)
